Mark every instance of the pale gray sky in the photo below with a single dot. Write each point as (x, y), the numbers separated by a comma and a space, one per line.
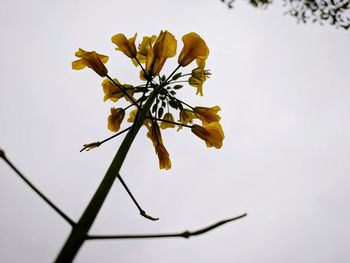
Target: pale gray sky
(285, 98)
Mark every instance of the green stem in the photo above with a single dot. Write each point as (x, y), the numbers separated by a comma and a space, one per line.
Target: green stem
(79, 232)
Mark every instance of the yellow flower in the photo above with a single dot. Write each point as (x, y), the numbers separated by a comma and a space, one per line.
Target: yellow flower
(194, 48)
(197, 79)
(143, 49)
(207, 115)
(156, 138)
(127, 46)
(186, 117)
(212, 134)
(200, 61)
(115, 119)
(167, 117)
(114, 93)
(92, 60)
(164, 47)
(132, 116)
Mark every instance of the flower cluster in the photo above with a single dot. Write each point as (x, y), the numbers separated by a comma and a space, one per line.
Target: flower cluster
(150, 56)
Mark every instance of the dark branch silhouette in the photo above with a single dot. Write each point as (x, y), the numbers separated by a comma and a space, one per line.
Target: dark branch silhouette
(142, 212)
(36, 190)
(59, 211)
(185, 234)
(334, 12)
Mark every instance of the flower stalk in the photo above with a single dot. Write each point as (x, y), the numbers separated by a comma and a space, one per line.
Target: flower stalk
(154, 102)
(79, 232)
(155, 98)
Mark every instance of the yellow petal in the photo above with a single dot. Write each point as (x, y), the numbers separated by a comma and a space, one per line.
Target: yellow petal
(164, 48)
(127, 46)
(115, 119)
(78, 64)
(194, 47)
(212, 134)
(92, 60)
(207, 115)
(186, 117)
(198, 76)
(132, 115)
(144, 48)
(167, 117)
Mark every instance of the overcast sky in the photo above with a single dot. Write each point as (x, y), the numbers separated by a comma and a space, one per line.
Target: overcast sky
(285, 98)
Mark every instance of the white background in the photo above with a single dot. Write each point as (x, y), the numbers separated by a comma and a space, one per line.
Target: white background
(284, 93)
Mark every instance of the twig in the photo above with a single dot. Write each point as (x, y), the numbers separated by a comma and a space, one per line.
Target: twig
(89, 146)
(142, 212)
(36, 190)
(79, 233)
(185, 234)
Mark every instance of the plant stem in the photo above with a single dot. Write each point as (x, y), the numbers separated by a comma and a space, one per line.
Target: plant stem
(79, 232)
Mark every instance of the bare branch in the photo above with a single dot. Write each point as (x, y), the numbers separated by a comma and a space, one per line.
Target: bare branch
(36, 190)
(142, 212)
(185, 234)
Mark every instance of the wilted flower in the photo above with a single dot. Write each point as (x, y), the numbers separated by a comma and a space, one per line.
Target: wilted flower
(89, 146)
(163, 156)
(92, 60)
(154, 134)
(156, 138)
